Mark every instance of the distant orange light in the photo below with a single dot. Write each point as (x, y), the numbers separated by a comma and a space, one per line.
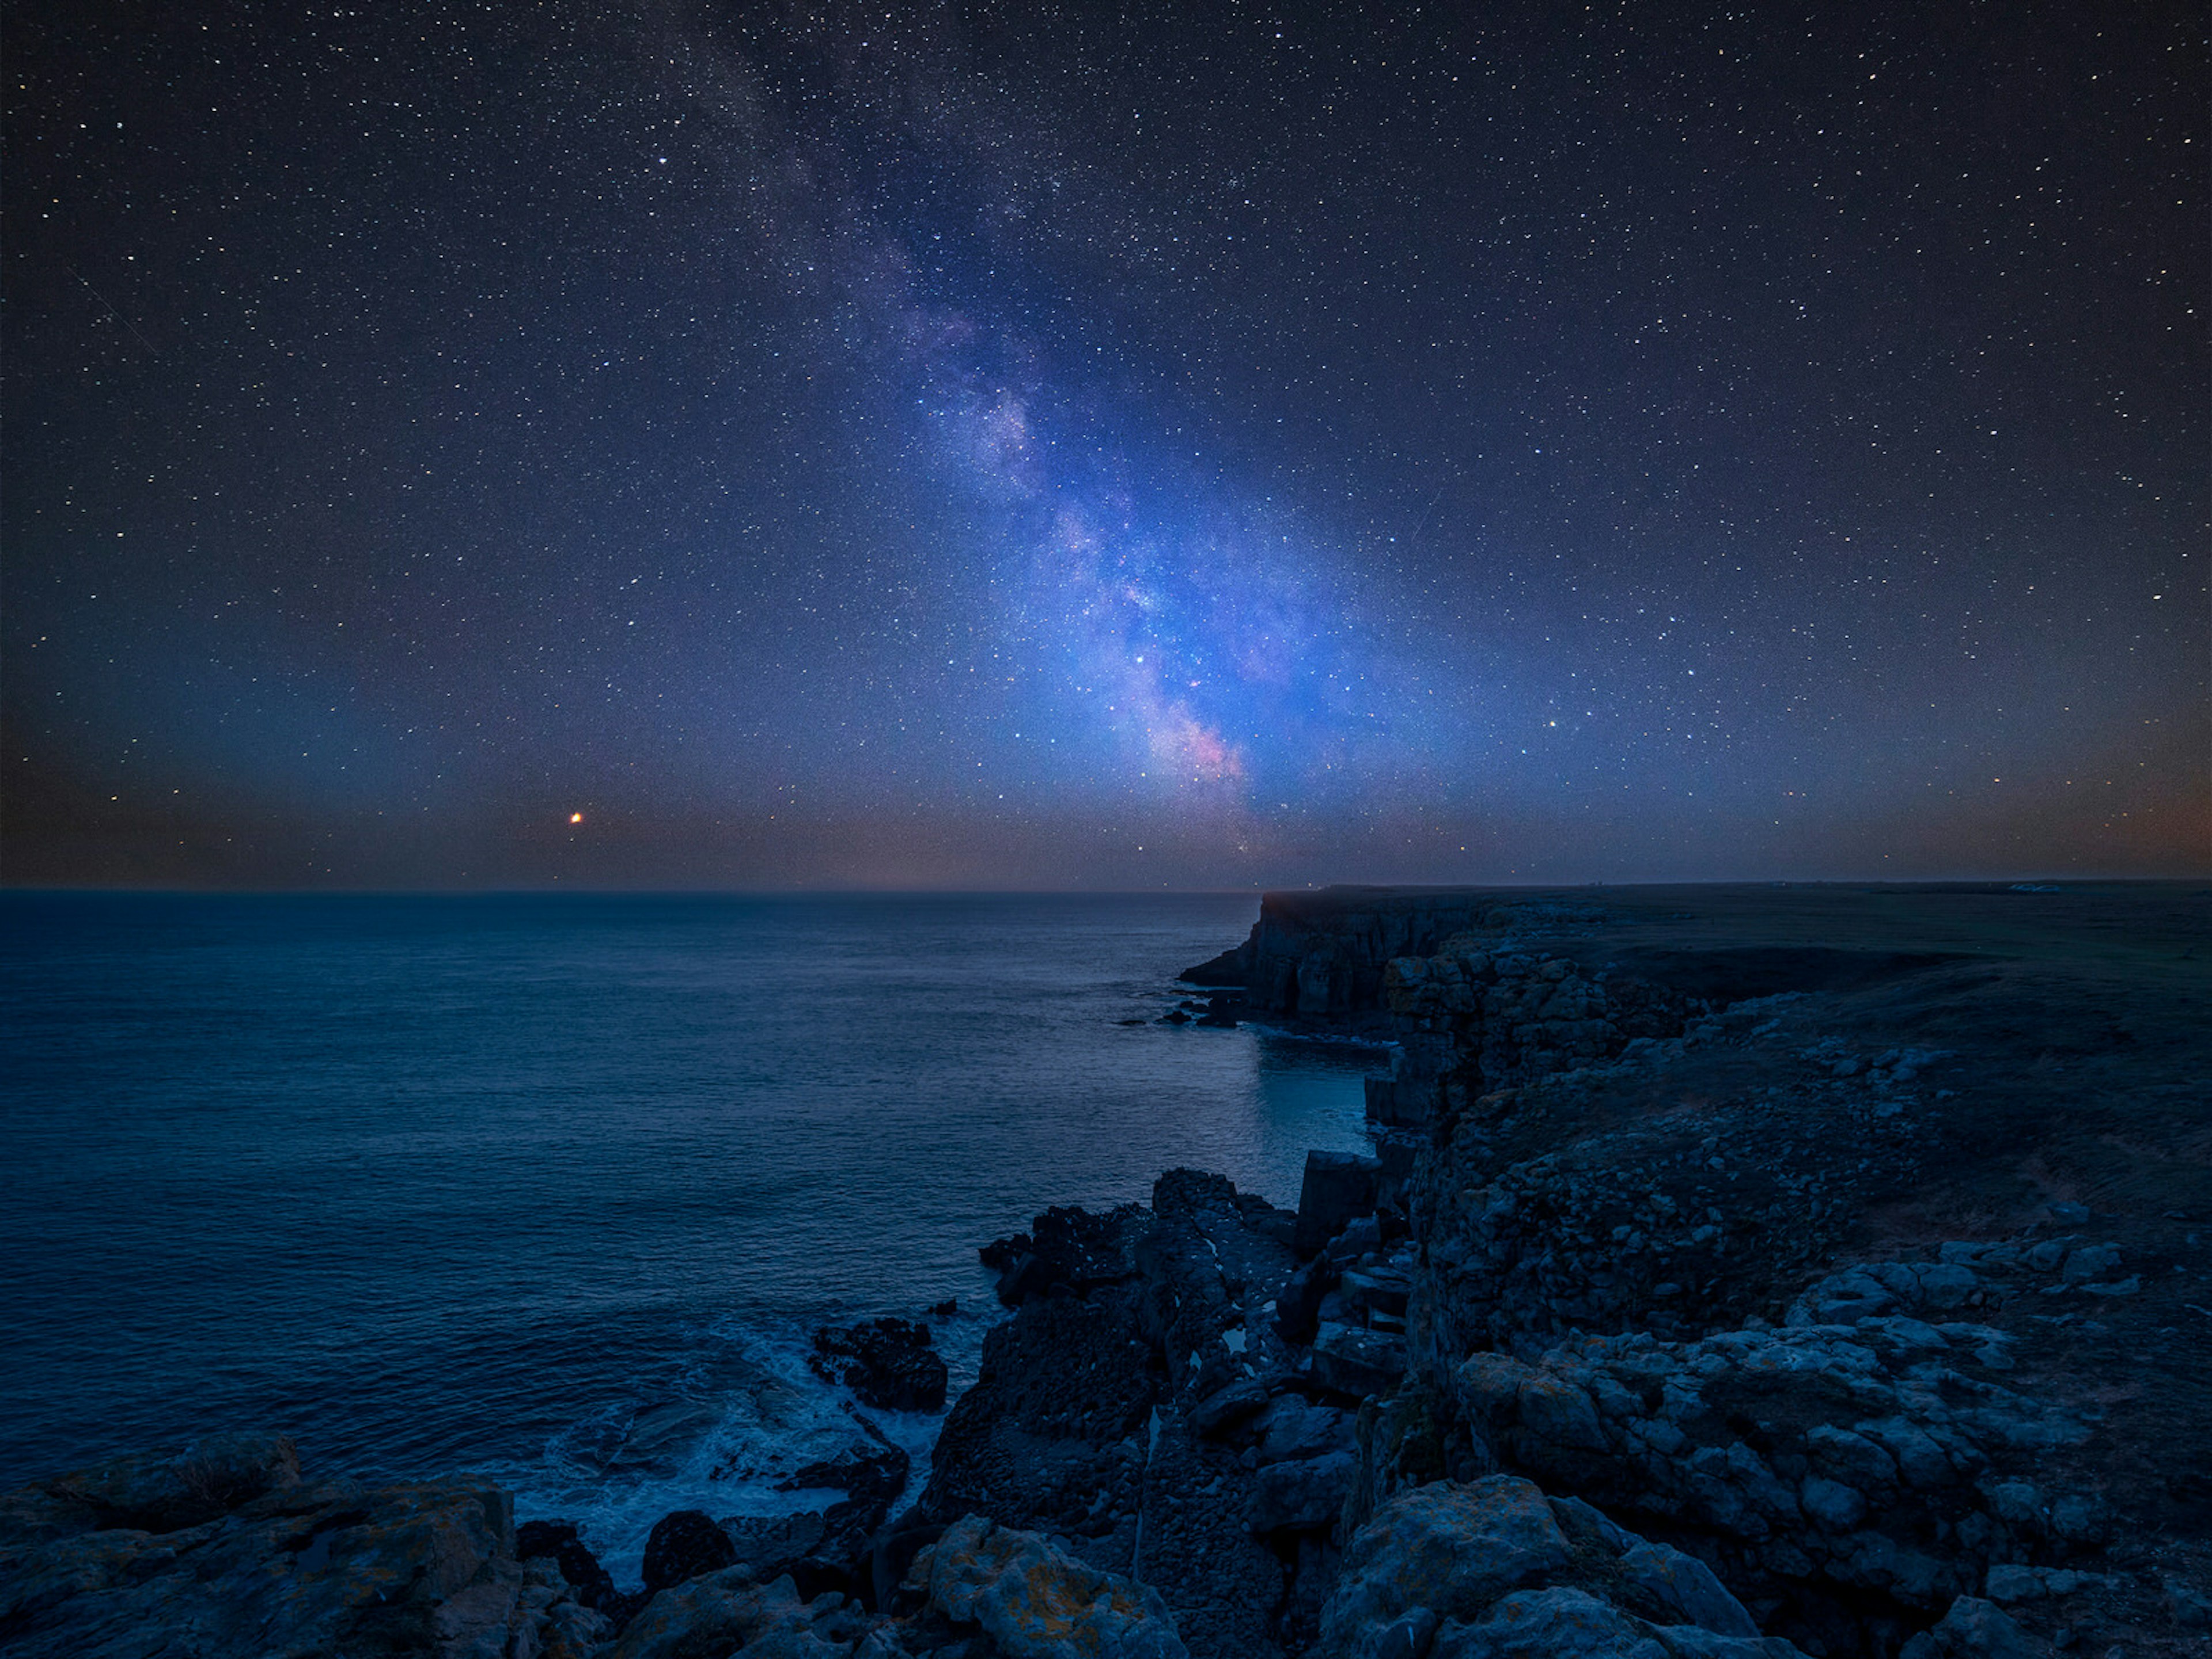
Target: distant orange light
(575, 817)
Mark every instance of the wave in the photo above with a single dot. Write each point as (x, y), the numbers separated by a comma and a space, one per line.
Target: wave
(725, 1433)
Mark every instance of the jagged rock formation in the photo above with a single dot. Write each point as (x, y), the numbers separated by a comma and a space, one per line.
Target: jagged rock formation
(1080, 1423)
(1758, 1227)
(1492, 1568)
(887, 1362)
(224, 1549)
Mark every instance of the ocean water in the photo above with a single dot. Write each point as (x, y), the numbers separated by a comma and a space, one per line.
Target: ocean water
(553, 1188)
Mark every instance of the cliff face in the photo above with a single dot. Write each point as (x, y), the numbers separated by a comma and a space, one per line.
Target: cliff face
(1320, 956)
(1843, 1239)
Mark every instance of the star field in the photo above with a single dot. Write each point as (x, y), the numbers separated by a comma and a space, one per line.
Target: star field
(1102, 446)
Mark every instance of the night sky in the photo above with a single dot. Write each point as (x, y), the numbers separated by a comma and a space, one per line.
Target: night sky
(1102, 446)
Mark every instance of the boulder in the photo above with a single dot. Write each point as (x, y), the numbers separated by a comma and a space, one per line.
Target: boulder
(1229, 1406)
(282, 1566)
(1450, 1547)
(1036, 1602)
(726, 1612)
(1292, 1427)
(1351, 1361)
(683, 1545)
(1561, 1623)
(1685, 1589)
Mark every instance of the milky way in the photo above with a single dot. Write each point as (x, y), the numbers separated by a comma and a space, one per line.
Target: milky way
(750, 446)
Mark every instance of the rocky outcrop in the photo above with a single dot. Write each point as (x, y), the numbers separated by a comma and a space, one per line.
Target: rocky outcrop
(1674, 1197)
(1108, 1407)
(224, 1548)
(223, 1551)
(1866, 1465)
(1068, 1248)
(887, 1362)
(1035, 1601)
(729, 1612)
(1494, 1568)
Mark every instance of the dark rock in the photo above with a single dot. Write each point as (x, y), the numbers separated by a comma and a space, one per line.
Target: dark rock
(1066, 1248)
(1224, 1408)
(1399, 1102)
(1278, 1227)
(1229, 967)
(163, 1491)
(281, 1566)
(1303, 1495)
(1297, 1309)
(816, 1576)
(683, 1545)
(1338, 1187)
(1175, 1016)
(772, 1545)
(887, 1362)
(1292, 1427)
(1380, 1289)
(1085, 1422)
(871, 1477)
(557, 1541)
(1356, 1363)
(1221, 1581)
(890, 1558)
(1973, 1629)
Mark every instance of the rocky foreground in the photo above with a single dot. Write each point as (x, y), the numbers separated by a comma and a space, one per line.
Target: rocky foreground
(1739, 1272)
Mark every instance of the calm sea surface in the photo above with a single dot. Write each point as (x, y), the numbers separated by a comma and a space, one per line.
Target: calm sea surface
(553, 1188)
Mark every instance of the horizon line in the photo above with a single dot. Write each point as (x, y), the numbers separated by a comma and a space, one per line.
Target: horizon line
(2010, 880)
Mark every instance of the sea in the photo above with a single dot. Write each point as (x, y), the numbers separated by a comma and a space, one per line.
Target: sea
(554, 1189)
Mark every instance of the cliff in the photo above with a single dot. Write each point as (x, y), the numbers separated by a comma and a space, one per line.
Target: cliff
(1848, 1239)
(1318, 956)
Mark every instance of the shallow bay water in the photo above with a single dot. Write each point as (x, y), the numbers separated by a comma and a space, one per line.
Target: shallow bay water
(553, 1188)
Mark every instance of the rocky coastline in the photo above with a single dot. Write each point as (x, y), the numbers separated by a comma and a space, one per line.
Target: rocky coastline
(1737, 1272)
